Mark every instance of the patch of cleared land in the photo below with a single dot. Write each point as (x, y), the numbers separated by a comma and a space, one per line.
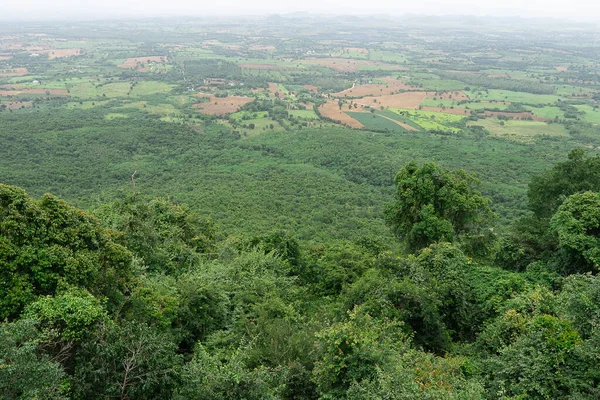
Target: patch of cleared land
(375, 89)
(15, 90)
(15, 105)
(134, 62)
(61, 53)
(523, 131)
(258, 66)
(221, 105)
(262, 47)
(410, 100)
(350, 65)
(13, 72)
(332, 111)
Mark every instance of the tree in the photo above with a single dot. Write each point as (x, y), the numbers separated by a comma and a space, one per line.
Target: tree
(350, 352)
(577, 224)
(578, 174)
(46, 243)
(126, 361)
(25, 373)
(434, 204)
(167, 237)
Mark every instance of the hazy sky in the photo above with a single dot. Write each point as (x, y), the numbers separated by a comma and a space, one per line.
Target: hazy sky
(42, 9)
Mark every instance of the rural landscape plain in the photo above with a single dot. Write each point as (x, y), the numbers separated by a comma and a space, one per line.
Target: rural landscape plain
(300, 206)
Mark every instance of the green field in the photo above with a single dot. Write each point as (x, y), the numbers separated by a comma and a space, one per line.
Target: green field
(591, 114)
(303, 114)
(429, 120)
(376, 122)
(145, 88)
(548, 112)
(514, 97)
(523, 131)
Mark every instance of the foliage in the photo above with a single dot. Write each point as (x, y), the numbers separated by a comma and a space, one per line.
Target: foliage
(577, 224)
(24, 372)
(434, 204)
(128, 360)
(578, 174)
(351, 350)
(46, 243)
(167, 237)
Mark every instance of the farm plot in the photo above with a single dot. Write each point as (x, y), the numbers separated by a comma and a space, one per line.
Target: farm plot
(262, 47)
(548, 112)
(258, 66)
(377, 122)
(447, 110)
(457, 95)
(222, 105)
(522, 131)
(145, 88)
(16, 90)
(304, 114)
(61, 53)
(431, 121)
(15, 105)
(332, 111)
(514, 97)
(390, 86)
(7, 73)
(591, 114)
(351, 65)
(399, 100)
(110, 90)
(141, 62)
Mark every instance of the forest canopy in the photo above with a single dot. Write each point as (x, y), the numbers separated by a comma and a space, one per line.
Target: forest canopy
(146, 298)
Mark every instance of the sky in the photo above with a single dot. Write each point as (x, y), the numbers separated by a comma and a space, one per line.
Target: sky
(65, 9)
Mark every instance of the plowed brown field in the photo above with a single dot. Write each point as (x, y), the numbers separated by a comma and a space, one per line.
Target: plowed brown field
(332, 111)
(221, 106)
(133, 62)
(410, 100)
(14, 72)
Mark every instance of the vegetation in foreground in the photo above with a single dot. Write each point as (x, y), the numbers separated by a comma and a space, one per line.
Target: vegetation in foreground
(144, 298)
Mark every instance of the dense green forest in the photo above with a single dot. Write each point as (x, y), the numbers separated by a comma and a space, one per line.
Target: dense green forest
(300, 207)
(144, 298)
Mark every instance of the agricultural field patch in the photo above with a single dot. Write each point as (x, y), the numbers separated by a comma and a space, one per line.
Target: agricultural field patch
(351, 65)
(16, 90)
(221, 105)
(514, 97)
(61, 53)
(446, 110)
(14, 105)
(388, 86)
(142, 62)
(548, 112)
(86, 105)
(9, 72)
(331, 110)
(522, 131)
(262, 47)
(164, 109)
(377, 122)
(258, 66)
(145, 88)
(304, 114)
(431, 121)
(592, 114)
(400, 100)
